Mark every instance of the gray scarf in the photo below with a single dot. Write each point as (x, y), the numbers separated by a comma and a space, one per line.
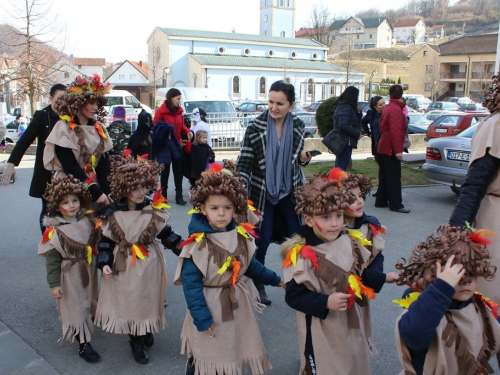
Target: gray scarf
(279, 156)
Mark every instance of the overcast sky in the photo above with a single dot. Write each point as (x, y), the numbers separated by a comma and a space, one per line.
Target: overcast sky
(118, 29)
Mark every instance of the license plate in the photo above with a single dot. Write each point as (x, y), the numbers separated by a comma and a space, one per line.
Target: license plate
(462, 156)
(441, 130)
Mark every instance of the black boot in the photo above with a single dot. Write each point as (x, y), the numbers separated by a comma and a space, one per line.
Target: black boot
(263, 295)
(149, 339)
(178, 198)
(137, 345)
(190, 366)
(88, 353)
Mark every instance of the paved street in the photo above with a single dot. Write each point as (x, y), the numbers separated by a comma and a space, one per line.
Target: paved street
(27, 309)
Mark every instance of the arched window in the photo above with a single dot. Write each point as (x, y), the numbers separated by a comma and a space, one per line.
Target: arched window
(262, 86)
(310, 86)
(288, 80)
(236, 85)
(282, 34)
(332, 87)
(195, 80)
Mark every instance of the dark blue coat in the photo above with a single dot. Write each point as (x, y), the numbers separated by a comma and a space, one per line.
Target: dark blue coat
(166, 147)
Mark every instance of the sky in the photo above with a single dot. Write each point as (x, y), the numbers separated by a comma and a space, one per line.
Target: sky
(117, 30)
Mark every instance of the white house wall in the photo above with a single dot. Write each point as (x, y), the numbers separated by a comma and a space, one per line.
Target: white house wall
(283, 22)
(127, 73)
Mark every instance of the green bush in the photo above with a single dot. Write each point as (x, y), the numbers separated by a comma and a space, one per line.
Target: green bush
(324, 116)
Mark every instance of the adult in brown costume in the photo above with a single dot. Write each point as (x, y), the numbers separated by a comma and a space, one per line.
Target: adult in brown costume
(220, 333)
(323, 267)
(448, 328)
(78, 144)
(69, 244)
(134, 270)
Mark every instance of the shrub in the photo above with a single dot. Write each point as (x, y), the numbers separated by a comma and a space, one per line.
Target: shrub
(324, 116)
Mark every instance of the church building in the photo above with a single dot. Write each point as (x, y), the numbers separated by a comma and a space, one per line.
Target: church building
(245, 65)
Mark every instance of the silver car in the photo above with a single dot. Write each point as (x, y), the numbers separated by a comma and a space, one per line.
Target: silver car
(447, 159)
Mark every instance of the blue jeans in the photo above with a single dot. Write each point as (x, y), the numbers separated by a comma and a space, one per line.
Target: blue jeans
(290, 218)
(342, 161)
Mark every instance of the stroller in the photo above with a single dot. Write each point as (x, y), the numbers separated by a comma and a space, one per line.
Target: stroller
(3, 165)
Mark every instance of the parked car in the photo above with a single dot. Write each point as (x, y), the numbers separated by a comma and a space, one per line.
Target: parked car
(312, 107)
(253, 106)
(418, 104)
(443, 106)
(453, 124)
(311, 128)
(472, 108)
(11, 125)
(447, 159)
(433, 115)
(460, 101)
(418, 120)
(131, 117)
(125, 98)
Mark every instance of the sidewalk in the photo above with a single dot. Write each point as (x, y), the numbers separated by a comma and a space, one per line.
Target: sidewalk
(17, 357)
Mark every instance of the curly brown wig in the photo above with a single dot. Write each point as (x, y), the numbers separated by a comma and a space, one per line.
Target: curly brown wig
(492, 101)
(359, 180)
(58, 189)
(323, 194)
(80, 92)
(221, 182)
(127, 174)
(438, 247)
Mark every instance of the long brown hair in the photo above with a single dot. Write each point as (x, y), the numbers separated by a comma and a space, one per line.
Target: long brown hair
(172, 93)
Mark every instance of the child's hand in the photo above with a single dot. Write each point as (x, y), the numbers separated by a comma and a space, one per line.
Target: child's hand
(450, 274)
(106, 271)
(391, 277)
(338, 301)
(210, 331)
(281, 284)
(56, 292)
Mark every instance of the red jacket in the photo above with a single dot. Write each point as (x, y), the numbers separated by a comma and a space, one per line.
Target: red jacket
(392, 128)
(177, 120)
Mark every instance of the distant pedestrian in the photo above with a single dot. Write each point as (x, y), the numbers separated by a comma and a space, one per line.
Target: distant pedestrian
(346, 120)
(141, 141)
(390, 148)
(119, 131)
(200, 120)
(40, 126)
(22, 127)
(202, 154)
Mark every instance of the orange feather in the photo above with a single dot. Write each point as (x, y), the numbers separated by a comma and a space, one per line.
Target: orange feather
(134, 257)
(236, 271)
(288, 259)
(336, 174)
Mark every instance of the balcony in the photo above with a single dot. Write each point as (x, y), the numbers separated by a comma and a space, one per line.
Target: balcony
(482, 75)
(453, 75)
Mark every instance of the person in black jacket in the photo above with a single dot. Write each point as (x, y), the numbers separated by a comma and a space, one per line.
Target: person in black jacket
(201, 155)
(346, 120)
(39, 128)
(140, 141)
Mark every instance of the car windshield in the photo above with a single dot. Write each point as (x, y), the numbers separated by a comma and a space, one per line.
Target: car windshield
(114, 100)
(129, 111)
(468, 106)
(435, 105)
(262, 107)
(418, 119)
(448, 120)
(210, 106)
(468, 133)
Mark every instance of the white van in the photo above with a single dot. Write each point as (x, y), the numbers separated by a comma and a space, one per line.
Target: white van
(123, 97)
(222, 118)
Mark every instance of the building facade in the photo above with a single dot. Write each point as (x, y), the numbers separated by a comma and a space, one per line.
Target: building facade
(461, 67)
(410, 31)
(277, 18)
(244, 65)
(361, 33)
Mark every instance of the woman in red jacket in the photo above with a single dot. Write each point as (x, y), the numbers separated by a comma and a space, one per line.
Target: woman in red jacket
(171, 112)
(392, 128)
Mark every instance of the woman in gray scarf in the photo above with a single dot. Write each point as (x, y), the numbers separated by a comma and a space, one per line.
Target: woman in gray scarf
(269, 160)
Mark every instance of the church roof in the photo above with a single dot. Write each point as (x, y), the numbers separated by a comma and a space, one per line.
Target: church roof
(239, 37)
(265, 62)
(365, 21)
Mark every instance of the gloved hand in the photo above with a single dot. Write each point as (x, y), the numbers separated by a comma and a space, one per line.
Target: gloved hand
(170, 239)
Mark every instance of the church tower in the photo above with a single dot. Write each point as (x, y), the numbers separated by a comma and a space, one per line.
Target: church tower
(277, 18)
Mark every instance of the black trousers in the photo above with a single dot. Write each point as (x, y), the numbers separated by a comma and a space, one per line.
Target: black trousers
(177, 170)
(389, 187)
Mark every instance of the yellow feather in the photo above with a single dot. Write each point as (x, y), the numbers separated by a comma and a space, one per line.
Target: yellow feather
(252, 208)
(65, 118)
(198, 239)
(138, 252)
(89, 254)
(406, 302)
(193, 211)
(353, 283)
(242, 231)
(360, 237)
(51, 233)
(94, 162)
(225, 265)
(295, 251)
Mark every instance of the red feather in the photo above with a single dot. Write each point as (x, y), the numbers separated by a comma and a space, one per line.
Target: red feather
(45, 236)
(336, 174)
(214, 168)
(90, 179)
(479, 236)
(190, 239)
(127, 153)
(351, 299)
(145, 156)
(308, 253)
(94, 252)
(250, 229)
(143, 250)
(493, 306)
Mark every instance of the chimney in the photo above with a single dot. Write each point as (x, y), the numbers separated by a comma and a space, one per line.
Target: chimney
(140, 64)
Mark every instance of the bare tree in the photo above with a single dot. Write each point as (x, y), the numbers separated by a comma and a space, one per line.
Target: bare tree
(320, 22)
(432, 79)
(413, 36)
(346, 57)
(154, 61)
(40, 64)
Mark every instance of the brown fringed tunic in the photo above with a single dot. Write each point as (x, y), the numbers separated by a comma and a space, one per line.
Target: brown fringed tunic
(465, 340)
(340, 342)
(237, 344)
(84, 141)
(78, 277)
(132, 300)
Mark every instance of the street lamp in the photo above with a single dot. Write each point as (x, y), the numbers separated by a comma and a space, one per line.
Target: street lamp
(374, 73)
(166, 70)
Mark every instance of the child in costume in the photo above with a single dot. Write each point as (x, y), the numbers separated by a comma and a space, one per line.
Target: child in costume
(135, 275)
(69, 246)
(202, 154)
(447, 327)
(78, 143)
(322, 271)
(220, 333)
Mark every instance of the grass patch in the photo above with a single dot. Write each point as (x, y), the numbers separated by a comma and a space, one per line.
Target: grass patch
(411, 173)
